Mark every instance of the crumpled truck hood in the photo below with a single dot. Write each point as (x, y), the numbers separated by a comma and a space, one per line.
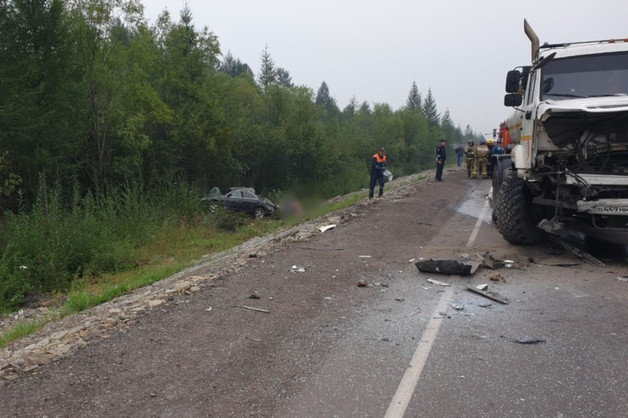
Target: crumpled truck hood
(565, 120)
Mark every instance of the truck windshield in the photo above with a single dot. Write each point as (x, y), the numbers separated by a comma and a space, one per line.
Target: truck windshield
(585, 76)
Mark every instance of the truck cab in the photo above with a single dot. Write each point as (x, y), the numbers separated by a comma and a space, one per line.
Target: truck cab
(570, 134)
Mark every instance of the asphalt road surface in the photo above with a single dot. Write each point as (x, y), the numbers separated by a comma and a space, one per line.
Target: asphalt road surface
(401, 346)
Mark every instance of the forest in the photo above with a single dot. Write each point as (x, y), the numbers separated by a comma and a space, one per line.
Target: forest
(112, 127)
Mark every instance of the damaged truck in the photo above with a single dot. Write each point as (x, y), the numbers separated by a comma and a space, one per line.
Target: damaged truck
(570, 132)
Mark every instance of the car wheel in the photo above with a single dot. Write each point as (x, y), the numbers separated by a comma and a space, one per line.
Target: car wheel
(213, 206)
(259, 212)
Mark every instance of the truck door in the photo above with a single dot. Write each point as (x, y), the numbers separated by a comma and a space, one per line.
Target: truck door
(528, 121)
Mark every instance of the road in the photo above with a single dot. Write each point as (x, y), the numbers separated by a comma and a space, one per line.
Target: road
(398, 347)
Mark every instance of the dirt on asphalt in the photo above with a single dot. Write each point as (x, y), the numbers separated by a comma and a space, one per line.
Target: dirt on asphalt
(197, 350)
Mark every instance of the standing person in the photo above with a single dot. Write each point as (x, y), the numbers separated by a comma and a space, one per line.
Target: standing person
(469, 152)
(441, 157)
(459, 152)
(378, 166)
(481, 160)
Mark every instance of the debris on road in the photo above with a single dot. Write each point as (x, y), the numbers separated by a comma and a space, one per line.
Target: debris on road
(485, 305)
(488, 261)
(622, 278)
(326, 227)
(297, 269)
(496, 278)
(437, 282)
(363, 283)
(448, 267)
(524, 340)
(457, 306)
(250, 308)
(424, 223)
(487, 295)
(254, 296)
(482, 286)
(364, 256)
(553, 229)
(400, 299)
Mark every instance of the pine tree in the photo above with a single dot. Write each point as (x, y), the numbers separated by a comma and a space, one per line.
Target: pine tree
(283, 78)
(234, 67)
(430, 110)
(268, 72)
(414, 98)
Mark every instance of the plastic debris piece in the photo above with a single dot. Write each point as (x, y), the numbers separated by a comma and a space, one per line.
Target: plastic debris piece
(437, 282)
(457, 306)
(364, 256)
(326, 227)
(400, 299)
(297, 269)
(482, 286)
(254, 297)
(622, 278)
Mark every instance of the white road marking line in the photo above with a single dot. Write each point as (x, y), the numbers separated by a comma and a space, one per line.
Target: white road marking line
(478, 224)
(410, 379)
(400, 401)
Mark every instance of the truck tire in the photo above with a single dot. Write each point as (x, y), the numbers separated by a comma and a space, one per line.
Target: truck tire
(514, 214)
(500, 166)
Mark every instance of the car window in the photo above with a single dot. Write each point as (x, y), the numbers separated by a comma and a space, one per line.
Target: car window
(249, 195)
(236, 194)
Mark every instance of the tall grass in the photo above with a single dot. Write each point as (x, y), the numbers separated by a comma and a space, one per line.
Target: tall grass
(57, 242)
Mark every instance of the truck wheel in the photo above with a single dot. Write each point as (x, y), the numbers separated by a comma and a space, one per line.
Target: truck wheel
(498, 176)
(514, 214)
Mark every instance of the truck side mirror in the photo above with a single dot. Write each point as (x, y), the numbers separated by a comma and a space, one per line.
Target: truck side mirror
(513, 100)
(512, 81)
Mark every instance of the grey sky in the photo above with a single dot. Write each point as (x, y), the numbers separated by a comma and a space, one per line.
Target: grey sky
(374, 49)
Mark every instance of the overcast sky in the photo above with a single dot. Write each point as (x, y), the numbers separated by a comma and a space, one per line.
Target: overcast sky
(375, 49)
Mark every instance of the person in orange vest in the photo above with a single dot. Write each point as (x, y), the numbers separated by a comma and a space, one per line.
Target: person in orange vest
(378, 166)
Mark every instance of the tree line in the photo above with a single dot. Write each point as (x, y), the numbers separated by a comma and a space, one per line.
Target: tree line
(93, 95)
(111, 128)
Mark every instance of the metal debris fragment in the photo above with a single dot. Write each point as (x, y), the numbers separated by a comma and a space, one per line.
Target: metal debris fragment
(487, 295)
(524, 340)
(250, 308)
(448, 267)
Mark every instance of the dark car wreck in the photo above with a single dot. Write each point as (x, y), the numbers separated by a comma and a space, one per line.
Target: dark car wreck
(242, 199)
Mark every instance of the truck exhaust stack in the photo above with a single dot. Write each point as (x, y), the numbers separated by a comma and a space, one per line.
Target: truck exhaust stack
(533, 38)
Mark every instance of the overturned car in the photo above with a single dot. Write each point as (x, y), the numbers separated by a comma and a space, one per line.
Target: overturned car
(243, 199)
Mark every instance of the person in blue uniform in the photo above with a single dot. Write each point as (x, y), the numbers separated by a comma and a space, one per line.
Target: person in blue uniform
(441, 157)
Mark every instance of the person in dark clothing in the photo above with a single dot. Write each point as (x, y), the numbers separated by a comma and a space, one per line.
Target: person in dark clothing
(460, 152)
(441, 157)
(378, 166)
